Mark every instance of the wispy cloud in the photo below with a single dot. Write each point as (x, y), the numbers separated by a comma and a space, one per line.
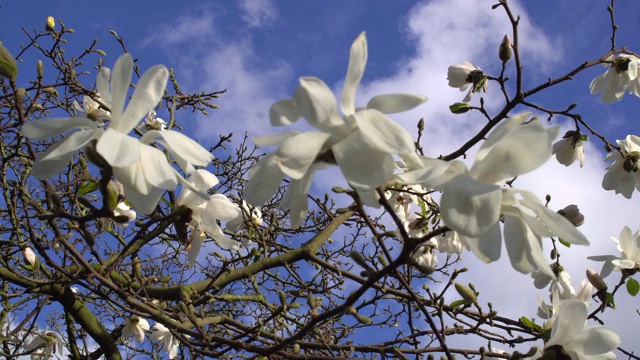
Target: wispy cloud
(258, 13)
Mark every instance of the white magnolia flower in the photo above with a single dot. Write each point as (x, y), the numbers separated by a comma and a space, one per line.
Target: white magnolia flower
(463, 75)
(142, 169)
(569, 149)
(254, 216)
(91, 109)
(450, 243)
(162, 335)
(622, 175)
(570, 334)
(206, 213)
(151, 122)
(123, 209)
(425, 256)
(44, 345)
(621, 75)
(473, 200)
(629, 247)
(361, 141)
(135, 326)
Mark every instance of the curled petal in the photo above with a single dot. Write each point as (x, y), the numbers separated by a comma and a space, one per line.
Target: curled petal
(284, 112)
(317, 104)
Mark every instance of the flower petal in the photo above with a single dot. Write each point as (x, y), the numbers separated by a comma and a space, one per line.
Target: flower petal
(382, 133)
(44, 129)
(488, 246)
(148, 93)
(186, 151)
(524, 247)
(284, 112)
(558, 224)
(470, 207)
(118, 149)
(213, 230)
(264, 181)
(395, 103)
(363, 167)
(296, 154)
(295, 198)
(102, 83)
(120, 81)
(271, 140)
(317, 104)
(58, 155)
(197, 238)
(572, 315)
(434, 173)
(355, 70)
(221, 208)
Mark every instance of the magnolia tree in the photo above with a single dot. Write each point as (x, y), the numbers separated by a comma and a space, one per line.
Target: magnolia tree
(122, 237)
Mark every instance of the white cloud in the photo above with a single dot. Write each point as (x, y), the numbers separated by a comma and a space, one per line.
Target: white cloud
(258, 13)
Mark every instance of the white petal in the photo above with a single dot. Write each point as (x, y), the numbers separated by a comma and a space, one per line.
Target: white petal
(382, 133)
(572, 315)
(623, 263)
(216, 233)
(434, 173)
(296, 154)
(148, 93)
(197, 239)
(120, 81)
(395, 103)
(44, 129)
(524, 247)
(595, 341)
(558, 224)
(295, 198)
(271, 140)
(284, 112)
(363, 166)
(357, 63)
(118, 149)
(470, 207)
(524, 149)
(488, 246)
(182, 148)
(58, 155)
(144, 203)
(619, 180)
(157, 170)
(317, 104)
(220, 207)
(264, 181)
(102, 83)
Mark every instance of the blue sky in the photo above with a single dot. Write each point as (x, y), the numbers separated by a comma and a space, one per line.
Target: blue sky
(258, 49)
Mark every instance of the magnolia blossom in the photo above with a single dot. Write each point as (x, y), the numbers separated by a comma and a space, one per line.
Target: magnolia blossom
(43, 345)
(629, 247)
(622, 175)
(254, 216)
(569, 149)
(162, 335)
(123, 209)
(135, 326)
(473, 200)
(142, 169)
(91, 109)
(151, 122)
(621, 75)
(425, 256)
(462, 75)
(361, 141)
(570, 334)
(206, 213)
(451, 243)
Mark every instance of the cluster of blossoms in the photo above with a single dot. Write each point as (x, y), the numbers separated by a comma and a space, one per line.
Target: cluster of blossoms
(136, 327)
(620, 77)
(629, 259)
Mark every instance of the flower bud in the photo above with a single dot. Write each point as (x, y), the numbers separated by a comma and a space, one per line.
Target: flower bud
(29, 256)
(51, 23)
(359, 259)
(459, 108)
(595, 280)
(573, 214)
(8, 66)
(40, 69)
(466, 293)
(504, 52)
